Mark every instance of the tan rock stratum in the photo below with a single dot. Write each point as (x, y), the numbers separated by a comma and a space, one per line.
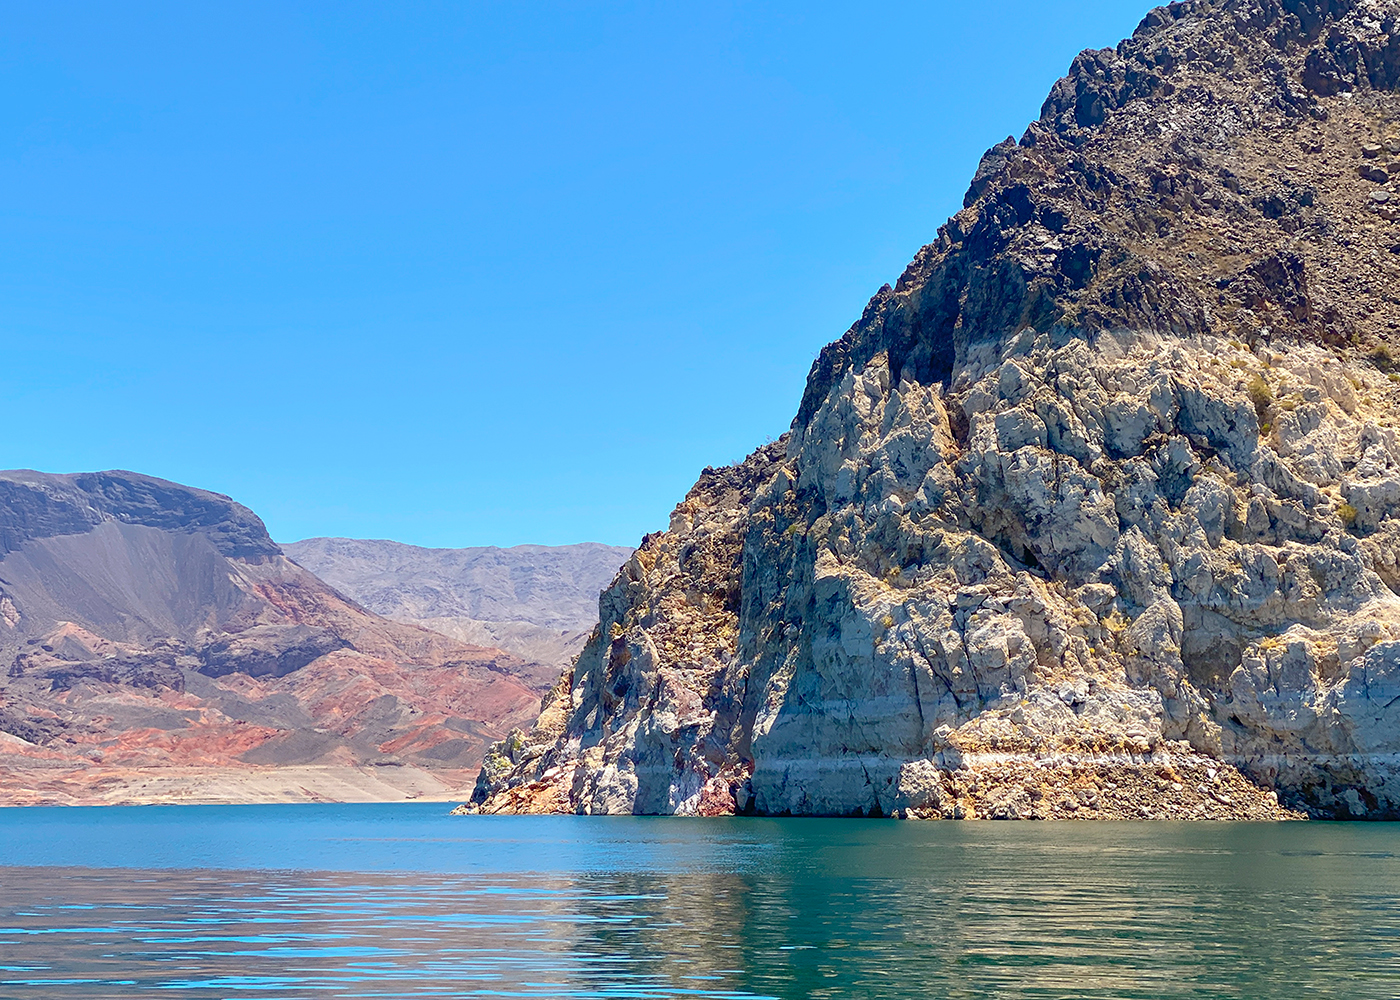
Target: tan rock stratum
(1094, 513)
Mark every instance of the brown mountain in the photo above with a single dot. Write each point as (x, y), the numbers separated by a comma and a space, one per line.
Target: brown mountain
(156, 645)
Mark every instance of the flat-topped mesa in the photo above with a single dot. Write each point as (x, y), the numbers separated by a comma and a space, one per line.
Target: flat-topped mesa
(1096, 512)
(38, 505)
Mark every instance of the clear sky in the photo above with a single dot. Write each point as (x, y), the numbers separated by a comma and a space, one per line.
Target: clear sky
(471, 273)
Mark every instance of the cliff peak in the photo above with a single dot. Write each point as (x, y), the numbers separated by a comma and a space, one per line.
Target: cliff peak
(1226, 171)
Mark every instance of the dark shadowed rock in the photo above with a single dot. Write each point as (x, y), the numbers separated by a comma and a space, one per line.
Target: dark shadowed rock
(36, 505)
(268, 650)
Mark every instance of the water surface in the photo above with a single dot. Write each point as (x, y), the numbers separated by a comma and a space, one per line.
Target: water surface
(404, 901)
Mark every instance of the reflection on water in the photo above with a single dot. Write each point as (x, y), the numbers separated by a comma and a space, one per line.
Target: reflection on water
(783, 908)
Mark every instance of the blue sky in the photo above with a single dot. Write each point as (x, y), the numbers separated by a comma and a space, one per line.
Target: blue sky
(471, 274)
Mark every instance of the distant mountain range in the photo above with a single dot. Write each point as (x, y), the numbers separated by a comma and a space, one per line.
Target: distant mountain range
(157, 645)
(536, 601)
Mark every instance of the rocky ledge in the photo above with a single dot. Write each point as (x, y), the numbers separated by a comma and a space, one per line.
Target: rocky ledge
(1165, 781)
(1095, 512)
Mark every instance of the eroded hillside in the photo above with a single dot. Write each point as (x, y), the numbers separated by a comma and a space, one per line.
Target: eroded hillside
(157, 646)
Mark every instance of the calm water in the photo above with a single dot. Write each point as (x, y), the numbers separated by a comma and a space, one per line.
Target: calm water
(404, 901)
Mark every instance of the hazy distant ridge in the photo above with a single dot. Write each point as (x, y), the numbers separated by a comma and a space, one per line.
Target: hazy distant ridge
(538, 601)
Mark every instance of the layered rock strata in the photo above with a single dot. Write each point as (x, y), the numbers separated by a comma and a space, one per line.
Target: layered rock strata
(1095, 512)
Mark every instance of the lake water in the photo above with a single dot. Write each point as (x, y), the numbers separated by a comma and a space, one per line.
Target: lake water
(381, 901)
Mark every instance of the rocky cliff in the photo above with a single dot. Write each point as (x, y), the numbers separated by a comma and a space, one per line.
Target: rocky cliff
(156, 645)
(1095, 512)
(539, 602)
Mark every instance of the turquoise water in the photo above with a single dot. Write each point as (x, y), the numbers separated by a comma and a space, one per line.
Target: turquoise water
(404, 901)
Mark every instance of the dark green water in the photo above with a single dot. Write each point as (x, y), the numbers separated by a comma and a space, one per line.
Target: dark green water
(402, 901)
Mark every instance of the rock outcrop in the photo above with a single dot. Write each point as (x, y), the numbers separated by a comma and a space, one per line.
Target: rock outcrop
(1095, 512)
(539, 602)
(156, 645)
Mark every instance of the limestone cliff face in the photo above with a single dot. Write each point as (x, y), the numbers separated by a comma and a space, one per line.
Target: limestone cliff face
(1096, 512)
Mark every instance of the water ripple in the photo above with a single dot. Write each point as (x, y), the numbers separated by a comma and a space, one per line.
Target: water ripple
(671, 909)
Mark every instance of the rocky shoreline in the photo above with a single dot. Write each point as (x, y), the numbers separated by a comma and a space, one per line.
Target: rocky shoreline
(1169, 781)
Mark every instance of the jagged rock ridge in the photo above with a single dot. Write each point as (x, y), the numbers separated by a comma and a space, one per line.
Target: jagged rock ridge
(156, 645)
(1093, 513)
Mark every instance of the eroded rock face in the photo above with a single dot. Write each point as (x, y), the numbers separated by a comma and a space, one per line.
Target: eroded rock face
(1095, 512)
